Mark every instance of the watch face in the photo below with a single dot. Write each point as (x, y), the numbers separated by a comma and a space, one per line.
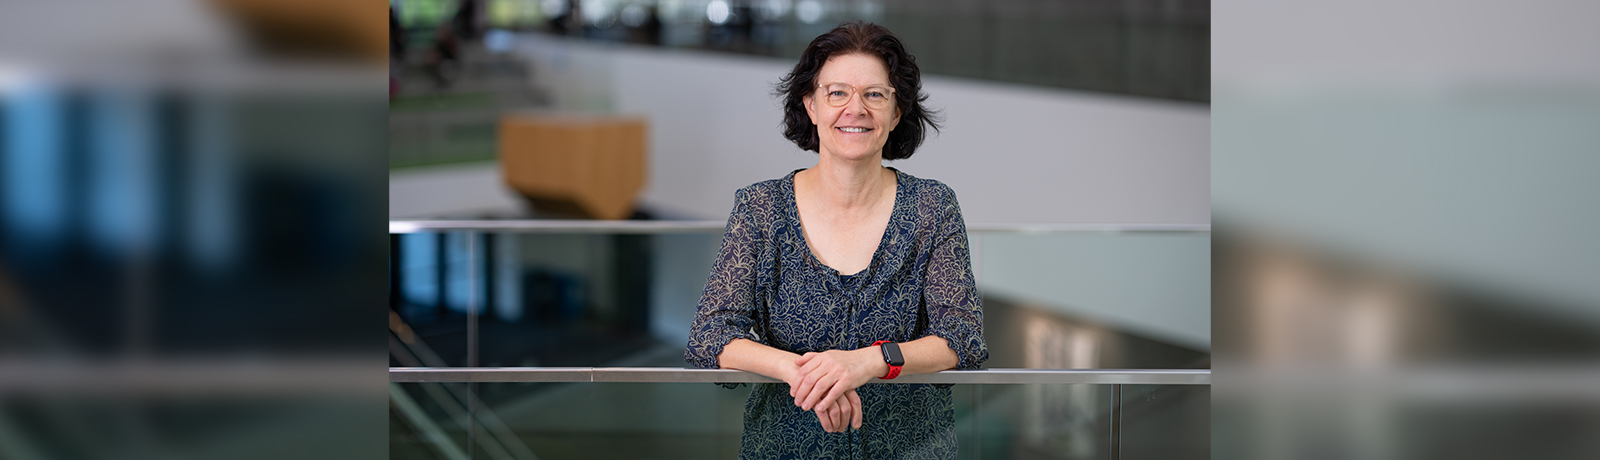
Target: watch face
(891, 354)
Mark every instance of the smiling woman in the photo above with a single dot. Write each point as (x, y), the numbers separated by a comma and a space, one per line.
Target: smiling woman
(846, 272)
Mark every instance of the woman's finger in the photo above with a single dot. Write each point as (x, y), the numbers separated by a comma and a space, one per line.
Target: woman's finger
(800, 393)
(820, 388)
(822, 418)
(844, 417)
(835, 392)
(815, 392)
(847, 414)
(833, 425)
(855, 404)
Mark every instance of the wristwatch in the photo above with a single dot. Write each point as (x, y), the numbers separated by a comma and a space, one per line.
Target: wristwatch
(892, 357)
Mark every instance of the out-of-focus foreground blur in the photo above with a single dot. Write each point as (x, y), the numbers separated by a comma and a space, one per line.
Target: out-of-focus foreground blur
(191, 243)
(1406, 261)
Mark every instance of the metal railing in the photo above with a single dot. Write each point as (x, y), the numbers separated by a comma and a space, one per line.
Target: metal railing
(678, 375)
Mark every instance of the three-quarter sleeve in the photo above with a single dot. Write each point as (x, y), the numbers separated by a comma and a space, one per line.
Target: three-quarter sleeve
(950, 294)
(727, 308)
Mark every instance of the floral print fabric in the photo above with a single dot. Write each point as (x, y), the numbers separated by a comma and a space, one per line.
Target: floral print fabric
(766, 286)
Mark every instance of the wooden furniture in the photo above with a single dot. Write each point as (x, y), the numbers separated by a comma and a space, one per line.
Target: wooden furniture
(587, 166)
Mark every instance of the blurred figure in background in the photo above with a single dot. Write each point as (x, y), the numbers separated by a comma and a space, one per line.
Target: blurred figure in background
(444, 61)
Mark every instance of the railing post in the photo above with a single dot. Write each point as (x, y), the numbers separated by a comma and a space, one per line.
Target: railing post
(472, 341)
(1116, 421)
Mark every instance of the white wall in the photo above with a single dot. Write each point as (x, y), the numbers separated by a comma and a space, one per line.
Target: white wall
(450, 190)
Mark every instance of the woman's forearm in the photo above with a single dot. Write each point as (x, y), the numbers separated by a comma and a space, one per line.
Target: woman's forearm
(926, 355)
(750, 356)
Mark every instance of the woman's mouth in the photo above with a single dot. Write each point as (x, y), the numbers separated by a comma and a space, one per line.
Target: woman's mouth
(853, 129)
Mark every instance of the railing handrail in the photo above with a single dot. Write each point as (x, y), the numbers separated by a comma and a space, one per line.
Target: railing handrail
(693, 226)
(687, 375)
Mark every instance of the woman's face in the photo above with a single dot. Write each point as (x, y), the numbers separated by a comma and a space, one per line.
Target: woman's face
(854, 130)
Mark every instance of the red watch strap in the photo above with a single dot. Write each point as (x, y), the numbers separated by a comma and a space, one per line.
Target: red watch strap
(894, 371)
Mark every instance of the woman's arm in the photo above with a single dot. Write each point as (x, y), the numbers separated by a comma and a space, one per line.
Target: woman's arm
(749, 356)
(728, 306)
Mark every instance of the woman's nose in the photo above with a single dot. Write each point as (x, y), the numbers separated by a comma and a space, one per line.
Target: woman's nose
(857, 104)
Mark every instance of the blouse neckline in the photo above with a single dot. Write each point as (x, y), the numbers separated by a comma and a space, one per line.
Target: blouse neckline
(883, 241)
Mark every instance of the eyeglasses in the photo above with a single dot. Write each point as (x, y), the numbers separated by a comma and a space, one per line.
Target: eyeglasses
(874, 96)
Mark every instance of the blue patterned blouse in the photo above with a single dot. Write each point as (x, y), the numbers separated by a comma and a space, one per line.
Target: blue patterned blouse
(766, 286)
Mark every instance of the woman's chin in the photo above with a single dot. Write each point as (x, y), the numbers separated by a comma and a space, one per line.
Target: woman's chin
(858, 154)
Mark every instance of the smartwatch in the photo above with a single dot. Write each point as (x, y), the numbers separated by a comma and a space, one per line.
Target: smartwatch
(892, 357)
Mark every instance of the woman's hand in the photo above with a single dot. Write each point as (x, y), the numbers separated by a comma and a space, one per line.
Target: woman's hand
(846, 411)
(825, 377)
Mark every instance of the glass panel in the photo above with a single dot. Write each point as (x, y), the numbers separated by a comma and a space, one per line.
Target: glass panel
(1165, 422)
(1035, 421)
(699, 420)
(551, 300)
(428, 420)
(1073, 300)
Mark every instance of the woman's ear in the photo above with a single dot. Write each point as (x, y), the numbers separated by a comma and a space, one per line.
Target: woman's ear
(896, 122)
(811, 111)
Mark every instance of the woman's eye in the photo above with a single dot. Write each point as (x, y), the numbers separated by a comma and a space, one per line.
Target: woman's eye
(836, 94)
(875, 95)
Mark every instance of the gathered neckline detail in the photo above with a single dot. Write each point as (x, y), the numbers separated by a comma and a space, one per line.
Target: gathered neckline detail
(793, 212)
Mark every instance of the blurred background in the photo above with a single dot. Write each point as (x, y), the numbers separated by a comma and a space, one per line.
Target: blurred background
(1405, 258)
(614, 133)
(191, 249)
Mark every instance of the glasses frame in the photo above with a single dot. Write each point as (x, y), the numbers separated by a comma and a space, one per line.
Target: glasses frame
(854, 91)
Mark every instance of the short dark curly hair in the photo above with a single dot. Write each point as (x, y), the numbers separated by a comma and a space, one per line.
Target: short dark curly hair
(869, 39)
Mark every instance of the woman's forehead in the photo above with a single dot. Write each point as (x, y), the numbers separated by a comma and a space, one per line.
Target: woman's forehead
(853, 68)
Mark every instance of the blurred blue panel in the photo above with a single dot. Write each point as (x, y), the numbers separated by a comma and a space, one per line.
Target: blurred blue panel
(419, 269)
(508, 278)
(123, 214)
(34, 168)
(213, 191)
(464, 275)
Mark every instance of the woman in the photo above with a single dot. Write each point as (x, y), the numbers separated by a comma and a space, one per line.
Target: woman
(825, 270)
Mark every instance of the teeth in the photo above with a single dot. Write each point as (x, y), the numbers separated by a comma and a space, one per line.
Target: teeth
(854, 130)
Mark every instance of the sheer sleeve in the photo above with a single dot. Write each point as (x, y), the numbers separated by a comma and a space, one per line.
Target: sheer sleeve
(727, 308)
(951, 297)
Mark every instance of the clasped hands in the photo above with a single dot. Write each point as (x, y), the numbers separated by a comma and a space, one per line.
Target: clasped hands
(826, 383)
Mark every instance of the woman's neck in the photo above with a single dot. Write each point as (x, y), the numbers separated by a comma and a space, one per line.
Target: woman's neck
(849, 185)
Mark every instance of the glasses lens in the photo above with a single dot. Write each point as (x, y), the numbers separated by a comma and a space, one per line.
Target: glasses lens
(875, 96)
(838, 93)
